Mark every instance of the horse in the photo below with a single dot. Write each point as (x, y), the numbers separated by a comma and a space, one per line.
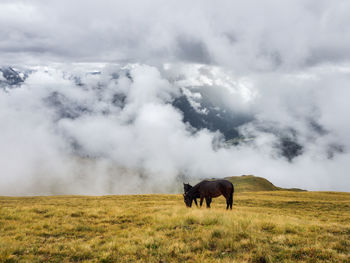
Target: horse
(188, 187)
(208, 190)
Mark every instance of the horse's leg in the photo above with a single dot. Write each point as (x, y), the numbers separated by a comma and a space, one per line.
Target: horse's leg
(195, 200)
(207, 200)
(201, 201)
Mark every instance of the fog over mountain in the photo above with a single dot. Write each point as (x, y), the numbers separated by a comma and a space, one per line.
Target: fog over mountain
(111, 97)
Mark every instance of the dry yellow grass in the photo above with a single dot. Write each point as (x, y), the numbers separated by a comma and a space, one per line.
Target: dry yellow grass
(263, 227)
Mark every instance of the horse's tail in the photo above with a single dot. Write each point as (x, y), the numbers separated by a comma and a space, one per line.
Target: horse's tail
(231, 196)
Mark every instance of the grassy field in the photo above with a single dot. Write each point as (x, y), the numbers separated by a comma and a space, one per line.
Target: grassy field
(277, 226)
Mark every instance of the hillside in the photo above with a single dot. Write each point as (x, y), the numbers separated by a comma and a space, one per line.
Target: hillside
(251, 183)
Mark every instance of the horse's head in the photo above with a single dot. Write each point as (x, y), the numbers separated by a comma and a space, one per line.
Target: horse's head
(188, 200)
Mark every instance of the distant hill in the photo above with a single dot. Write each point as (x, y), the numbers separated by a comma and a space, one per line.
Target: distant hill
(251, 183)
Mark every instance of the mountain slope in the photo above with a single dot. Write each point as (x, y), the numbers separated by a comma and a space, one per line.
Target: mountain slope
(251, 183)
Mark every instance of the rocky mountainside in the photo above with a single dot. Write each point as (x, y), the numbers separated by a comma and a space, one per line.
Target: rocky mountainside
(11, 77)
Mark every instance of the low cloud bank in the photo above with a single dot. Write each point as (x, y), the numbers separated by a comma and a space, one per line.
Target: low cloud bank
(115, 129)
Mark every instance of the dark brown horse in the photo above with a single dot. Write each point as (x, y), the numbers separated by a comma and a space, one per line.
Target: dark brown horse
(208, 190)
(188, 187)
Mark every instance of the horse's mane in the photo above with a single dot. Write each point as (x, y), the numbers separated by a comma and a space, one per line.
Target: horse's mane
(192, 192)
(187, 187)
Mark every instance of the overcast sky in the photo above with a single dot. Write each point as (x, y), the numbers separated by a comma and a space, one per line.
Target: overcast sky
(285, 64)
(243, 35)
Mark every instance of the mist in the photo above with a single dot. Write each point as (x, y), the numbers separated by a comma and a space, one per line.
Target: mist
(127, 98)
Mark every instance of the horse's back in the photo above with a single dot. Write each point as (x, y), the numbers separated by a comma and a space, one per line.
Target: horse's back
(222, 183)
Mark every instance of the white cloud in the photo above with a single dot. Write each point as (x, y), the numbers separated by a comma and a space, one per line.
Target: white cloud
(145, 142)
